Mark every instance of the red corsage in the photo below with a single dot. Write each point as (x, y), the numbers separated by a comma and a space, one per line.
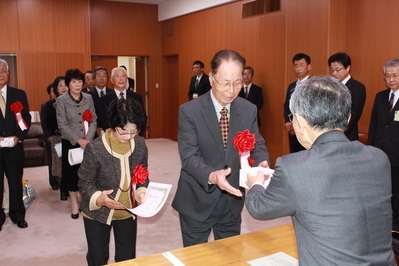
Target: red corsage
(244, 141)
(139, 175)
(87, 115)
(17, 108)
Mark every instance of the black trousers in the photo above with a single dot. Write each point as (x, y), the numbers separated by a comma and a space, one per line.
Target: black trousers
(13, 170)
(98, 236)
(221, 221)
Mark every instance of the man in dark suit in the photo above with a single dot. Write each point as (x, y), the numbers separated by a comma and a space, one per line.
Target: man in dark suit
(120, 81)
(250, 91)
(13, 128)
(384, 129)
(208, 196)
(100, 75)
(199, 83)
(302, 69)
(340, 66)
(337, 191)
(89, 81)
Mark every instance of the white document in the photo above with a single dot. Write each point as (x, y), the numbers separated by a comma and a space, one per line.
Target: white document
(277, 259)
(254, 171)
(75, 156)
(7, 142)
(58, 149)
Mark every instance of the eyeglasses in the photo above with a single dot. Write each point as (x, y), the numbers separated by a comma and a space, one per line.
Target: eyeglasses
(196, 67)
(247, 74)
(236, 84)
(130, 134)
(332, 70)
(393, 76)
(291, 117)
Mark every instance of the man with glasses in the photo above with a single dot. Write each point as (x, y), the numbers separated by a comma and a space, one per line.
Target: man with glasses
(302, 69)
(199, 83)
(208, 195)
(384, 130)
(250, 91)
(340, 66)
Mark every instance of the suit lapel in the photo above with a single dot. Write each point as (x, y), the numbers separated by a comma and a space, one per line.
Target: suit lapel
(235, 121)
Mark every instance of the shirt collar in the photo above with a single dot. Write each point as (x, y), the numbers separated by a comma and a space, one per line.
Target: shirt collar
(217, 105)
(346, 80)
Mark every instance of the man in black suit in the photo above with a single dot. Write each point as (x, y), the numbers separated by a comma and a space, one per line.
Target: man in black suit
(250, 91)
(199, 83)
(120, 81)
(89, 81)
(302, 69)
(384, 129)
(100, 75)
(15, 121)
(340, 66)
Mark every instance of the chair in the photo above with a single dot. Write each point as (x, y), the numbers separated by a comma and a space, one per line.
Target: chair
(34, 147)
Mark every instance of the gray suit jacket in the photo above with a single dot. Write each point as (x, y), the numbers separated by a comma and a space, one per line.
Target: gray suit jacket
(339, 196)
(201, 152)
(70, 117)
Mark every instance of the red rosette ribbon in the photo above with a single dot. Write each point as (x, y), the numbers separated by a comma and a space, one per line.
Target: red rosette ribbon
(245, 143)
(87, 116)
(16, 108)
(139, 175)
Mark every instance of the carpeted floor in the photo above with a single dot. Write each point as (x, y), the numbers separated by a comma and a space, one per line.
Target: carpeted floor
(53, 238)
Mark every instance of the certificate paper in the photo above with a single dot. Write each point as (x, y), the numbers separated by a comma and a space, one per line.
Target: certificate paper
(156, 195)
(254, 171)
(277, 259)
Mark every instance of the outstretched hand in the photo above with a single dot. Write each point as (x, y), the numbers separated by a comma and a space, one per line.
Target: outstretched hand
(104, 200)
(219, 178)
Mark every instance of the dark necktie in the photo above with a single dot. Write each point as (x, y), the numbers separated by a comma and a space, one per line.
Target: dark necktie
(101, 93)
(196, 83)
(391, 100)
(224, 126)
(246, 92)
(121, 94)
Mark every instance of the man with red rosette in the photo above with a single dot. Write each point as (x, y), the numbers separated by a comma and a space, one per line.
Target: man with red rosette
(15, 121)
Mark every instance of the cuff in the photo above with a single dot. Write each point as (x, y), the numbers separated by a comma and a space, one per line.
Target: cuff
(93, 201)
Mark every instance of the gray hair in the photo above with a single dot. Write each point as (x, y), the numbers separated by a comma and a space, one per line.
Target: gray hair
(324, 102)
(4, 62)
(390, 63)
(124, 70)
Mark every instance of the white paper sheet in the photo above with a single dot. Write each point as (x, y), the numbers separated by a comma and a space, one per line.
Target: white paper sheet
(75, 156)
(254, 171)
(277, 259)
(58, 149)
(7, 142)
(156, 195)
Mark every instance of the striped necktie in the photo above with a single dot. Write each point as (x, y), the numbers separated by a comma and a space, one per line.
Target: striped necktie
(2, 104)
(224, 126)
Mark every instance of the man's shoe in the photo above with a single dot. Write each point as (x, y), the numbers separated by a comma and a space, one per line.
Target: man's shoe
(22, 224)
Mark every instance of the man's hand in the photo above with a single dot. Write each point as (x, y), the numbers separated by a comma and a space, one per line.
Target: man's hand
(103, 200)
(219, 178)
(260, 178)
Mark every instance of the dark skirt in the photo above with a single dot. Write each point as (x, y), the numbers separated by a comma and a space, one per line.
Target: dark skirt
(69, 172)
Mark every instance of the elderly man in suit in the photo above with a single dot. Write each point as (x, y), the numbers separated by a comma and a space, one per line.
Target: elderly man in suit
(302, 69)
(120, 80)
(208, 196)
(340, 66)
(14, 128)
(199, 83)
(250, 91)
(384, 130)
(337, 191)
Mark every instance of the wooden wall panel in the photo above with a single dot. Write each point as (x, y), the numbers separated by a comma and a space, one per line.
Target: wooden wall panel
(36, 29)
(70, 18)
(35, 72)
(9, 27)
(64, 62)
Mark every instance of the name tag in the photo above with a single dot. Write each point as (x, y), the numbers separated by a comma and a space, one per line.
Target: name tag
(396, 117)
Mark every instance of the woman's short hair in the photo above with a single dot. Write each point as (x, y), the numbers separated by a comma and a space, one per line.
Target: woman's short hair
(323, 101)
(123, 111)
(55, 84)
(71, 74)
(226, 56)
